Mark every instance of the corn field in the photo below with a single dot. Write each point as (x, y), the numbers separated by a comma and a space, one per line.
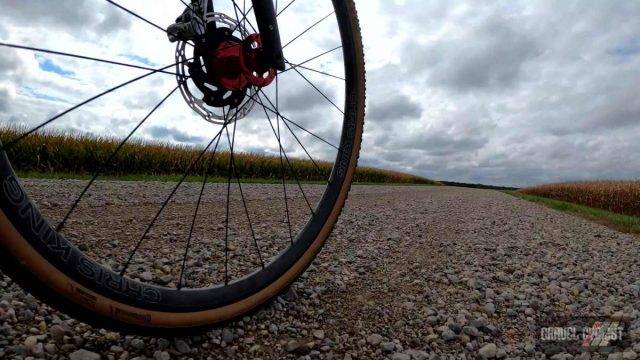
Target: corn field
(622, 197)
(55, 152)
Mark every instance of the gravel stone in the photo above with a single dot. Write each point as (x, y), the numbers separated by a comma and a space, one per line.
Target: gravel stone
(490, 309)
(293, 345)
(417, 354)
(30, 341)
(51, 349)
(400, 356)
(163, 343)
(489, 351)
(529, 348)
(161, 355)
(165, 279)
(146, 276)
(137, 344)
(57, 333)
(37, 350)
(471, 331)
(387, 346)
(227, 335)
(456, 328)
(83, 354)
(448, 335)
(374, 339)
(182, 347)
(629, 355)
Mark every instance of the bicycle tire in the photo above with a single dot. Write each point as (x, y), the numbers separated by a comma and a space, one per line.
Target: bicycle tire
(50, 267)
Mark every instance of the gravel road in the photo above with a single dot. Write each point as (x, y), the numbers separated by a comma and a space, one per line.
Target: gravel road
(409, 273)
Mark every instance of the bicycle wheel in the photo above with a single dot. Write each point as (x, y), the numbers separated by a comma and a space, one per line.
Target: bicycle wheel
(64, 264)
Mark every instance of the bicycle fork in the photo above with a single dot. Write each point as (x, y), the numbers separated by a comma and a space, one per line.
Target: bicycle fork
(195, 20)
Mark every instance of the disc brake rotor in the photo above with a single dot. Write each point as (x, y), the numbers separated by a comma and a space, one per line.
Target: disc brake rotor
(205, 76)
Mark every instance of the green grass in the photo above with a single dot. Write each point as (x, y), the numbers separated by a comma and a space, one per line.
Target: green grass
(623, 223)
(51, 154)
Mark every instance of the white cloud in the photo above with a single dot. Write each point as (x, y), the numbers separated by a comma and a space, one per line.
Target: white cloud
(508, 92)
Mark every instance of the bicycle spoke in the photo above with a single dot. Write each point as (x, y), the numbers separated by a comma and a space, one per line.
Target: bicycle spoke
(195, 214)
(293, 172)
(24, 135)
(166, 202)
(296, 137)
(244, 9)
(286, 7)
(244, 19)
(15, 46)
(318, 90)
(293, 66)
(307, 30)
(275, 112)
(244, 16)
(137, 16)
(226, 221)
(244, 203)
(239, 22)
(284, 183)
(320, 72)
(109, 159)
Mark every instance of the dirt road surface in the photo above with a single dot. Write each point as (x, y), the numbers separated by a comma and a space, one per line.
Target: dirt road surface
(410, 272)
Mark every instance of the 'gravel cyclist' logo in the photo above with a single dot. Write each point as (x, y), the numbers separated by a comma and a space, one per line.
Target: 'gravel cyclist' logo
(602, 334)
(579, 335)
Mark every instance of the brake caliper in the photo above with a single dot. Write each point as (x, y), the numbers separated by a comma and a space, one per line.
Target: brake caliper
(189, 25)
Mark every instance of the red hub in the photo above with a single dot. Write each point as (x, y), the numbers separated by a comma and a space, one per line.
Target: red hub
(237, 65)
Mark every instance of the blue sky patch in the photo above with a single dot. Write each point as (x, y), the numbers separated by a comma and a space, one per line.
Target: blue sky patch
(49, 66)
(42, 96)
(139, 59)
(629, 48)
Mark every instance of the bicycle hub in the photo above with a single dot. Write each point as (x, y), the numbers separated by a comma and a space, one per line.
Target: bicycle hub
(224, 67)
(236, 65)
(228, 63)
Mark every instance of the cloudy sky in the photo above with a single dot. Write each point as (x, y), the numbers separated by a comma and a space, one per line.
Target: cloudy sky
(509, 93)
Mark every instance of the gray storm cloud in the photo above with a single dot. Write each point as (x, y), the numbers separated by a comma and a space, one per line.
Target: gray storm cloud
(511, 93)
(75, 16)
